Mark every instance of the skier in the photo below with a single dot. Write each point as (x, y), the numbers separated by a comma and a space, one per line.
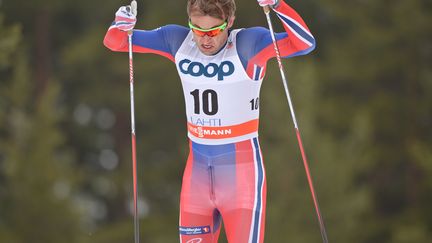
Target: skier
(221, 71)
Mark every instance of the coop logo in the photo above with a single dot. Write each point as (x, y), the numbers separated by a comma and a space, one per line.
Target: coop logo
(195, 240)
(196, 69)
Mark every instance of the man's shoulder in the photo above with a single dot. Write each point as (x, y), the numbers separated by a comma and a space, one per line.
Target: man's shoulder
(257, 30)
(250, 35)
(172, 30)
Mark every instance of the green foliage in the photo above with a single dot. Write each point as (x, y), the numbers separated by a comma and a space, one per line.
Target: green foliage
(33, 207)
(374, 76)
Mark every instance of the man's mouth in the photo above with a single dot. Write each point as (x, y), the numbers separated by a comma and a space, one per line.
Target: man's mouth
(207, 47)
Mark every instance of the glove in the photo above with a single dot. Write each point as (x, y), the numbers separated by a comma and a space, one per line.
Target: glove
(125, 18)
(271, 3)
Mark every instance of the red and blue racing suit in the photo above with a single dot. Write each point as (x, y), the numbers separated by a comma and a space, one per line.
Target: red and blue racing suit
(224, 176)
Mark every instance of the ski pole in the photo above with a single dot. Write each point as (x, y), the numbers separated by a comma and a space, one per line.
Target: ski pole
(303, 154)
(134, 162)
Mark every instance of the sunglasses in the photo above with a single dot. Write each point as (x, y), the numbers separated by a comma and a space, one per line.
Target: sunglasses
(210, 32)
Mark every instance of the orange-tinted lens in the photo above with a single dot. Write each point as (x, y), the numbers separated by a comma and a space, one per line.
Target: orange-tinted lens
(199, 32)
(210, 33)
(214, 32)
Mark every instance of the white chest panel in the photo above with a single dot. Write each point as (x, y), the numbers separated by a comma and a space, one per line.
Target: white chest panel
(222, 102)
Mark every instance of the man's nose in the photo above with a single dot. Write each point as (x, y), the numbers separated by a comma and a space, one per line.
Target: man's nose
(206, 38)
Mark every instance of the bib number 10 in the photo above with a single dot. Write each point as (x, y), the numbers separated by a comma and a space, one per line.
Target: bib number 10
(207, 100)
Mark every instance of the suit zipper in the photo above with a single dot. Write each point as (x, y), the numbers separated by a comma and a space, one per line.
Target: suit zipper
(211, 178)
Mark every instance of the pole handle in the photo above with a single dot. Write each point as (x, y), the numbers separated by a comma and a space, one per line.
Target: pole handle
(134, 12)
(134, 7)
(266, 9)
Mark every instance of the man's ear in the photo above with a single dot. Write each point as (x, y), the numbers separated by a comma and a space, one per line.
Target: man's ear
(231, 21)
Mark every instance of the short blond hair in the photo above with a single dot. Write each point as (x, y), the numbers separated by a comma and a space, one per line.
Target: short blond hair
(222, 9)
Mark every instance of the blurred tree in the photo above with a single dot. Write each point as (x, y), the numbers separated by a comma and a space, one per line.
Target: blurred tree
(375, 89)
(35, 176)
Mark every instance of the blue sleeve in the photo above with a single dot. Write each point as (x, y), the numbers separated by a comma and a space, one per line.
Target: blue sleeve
(255, 47)
(250, 42)
(164, 41)
(257, 43)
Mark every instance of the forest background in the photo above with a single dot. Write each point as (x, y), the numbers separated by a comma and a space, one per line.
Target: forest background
(363, 100)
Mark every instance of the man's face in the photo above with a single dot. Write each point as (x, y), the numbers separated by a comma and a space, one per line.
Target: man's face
(206, 44)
